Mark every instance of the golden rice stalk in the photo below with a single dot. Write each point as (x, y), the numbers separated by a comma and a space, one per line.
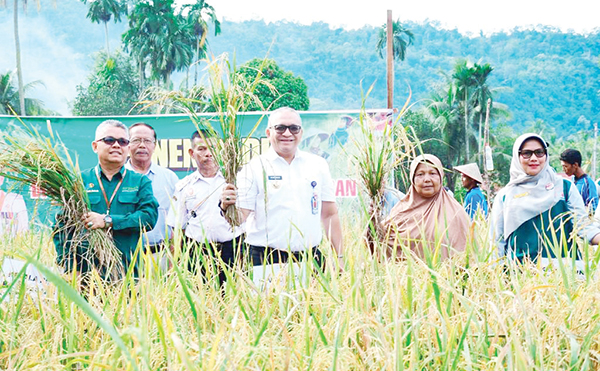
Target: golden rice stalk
(229, 94)
(30, 158)
(378, 154)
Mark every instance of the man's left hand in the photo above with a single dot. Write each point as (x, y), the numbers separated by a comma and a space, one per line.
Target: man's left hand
(94, 220)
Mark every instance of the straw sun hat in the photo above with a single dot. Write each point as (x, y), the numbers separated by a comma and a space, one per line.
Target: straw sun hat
(470, 170)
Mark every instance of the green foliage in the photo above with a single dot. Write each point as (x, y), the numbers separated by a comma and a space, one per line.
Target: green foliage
(429, 141)
(402, 39)
(166, 40)
(102, 11)
(502, 138)
(9, 98)
(159, 38)
(547, 74)
(289, 90)
(198, 27)
(112, 88)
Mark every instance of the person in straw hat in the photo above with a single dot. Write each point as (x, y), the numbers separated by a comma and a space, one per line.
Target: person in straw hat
(475, 199)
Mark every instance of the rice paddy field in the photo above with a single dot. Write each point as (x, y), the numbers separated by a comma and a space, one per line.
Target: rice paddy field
(472, 312)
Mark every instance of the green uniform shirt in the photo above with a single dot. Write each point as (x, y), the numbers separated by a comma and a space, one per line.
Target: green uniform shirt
(133, 209)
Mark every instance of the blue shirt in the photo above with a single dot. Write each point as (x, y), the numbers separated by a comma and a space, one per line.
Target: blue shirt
(163, 187)
(391, 197)
(475, 200)
(588, 190)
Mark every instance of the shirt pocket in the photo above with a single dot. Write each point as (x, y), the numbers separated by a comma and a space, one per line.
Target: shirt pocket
(126, 203)
(95, 200)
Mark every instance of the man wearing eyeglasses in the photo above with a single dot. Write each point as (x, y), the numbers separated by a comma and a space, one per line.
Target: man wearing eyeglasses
(286, 197)
(141, 148)
(120, 200)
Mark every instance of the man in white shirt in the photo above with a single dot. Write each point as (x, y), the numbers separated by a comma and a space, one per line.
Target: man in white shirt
(142, 144)
(286, 196)
(196, 208)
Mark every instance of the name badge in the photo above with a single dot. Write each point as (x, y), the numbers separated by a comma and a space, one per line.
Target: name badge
(276, 180)
(314, 200)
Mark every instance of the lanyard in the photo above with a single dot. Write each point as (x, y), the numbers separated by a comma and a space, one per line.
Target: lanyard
(108, 202)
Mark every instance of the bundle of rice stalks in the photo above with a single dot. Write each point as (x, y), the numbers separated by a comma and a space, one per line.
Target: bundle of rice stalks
(28, 157)
(379, 151)
(229, 94)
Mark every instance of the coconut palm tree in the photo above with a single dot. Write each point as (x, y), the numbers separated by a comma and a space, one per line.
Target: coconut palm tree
(481, 94)
(443, 110)
(10, 98)
(101, 11)
(198, 17)
(402, 39)
(158, 37)
(464, 77)
(21, 96)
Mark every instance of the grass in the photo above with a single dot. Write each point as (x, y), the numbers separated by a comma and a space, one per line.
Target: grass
(390, 315)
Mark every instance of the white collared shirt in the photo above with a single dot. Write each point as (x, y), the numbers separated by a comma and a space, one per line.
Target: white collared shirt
(281, 198)
(196, 209)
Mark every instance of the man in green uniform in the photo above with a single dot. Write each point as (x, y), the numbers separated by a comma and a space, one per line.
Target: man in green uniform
(121, 200)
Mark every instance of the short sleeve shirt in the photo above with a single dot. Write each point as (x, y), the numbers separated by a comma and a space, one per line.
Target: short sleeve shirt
(588, 191)
(285, 200)
(475, 200)
(196, 209)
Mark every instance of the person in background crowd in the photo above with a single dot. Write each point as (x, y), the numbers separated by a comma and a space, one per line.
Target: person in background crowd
(13, 213)
(121, 200)
(571, 164)
(391, 196)
(141, 147)
(196, 209)
(287, 197)
(427, 215)
(471, 179)
(537, 206)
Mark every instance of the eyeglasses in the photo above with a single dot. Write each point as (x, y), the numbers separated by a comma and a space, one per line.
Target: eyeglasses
(138, 141)
(294, 129)
(539, 153)
(111, 141)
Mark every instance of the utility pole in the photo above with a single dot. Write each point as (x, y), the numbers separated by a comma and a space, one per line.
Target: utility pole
(594, 153)
(390, 61)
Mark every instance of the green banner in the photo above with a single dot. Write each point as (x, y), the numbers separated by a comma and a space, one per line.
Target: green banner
(327, 134)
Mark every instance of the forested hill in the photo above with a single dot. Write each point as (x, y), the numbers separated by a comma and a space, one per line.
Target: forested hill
(546, 75)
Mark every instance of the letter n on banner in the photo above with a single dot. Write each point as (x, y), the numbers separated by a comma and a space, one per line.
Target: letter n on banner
(345, 188)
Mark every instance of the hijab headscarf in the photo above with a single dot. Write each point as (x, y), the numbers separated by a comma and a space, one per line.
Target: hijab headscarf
(416, 218)
(543, 190)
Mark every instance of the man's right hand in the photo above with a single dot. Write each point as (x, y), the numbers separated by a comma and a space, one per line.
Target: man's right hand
(229, 196)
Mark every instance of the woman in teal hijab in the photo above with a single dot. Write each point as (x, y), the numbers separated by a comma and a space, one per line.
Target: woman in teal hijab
(538, 207)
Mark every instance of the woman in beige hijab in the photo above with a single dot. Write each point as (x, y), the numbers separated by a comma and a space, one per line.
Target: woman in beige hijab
(428, 217)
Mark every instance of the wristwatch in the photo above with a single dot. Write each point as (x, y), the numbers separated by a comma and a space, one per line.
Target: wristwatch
(107, 221)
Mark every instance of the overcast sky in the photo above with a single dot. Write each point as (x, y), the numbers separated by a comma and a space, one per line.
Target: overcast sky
(581, 16)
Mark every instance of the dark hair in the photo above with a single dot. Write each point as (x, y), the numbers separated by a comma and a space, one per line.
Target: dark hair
(571, 156)
(202, 133)
(146, 125)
